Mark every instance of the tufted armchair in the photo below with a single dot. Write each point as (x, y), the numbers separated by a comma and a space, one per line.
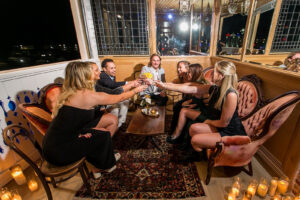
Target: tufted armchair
(260, 126)
(208, 73)
(250, 95)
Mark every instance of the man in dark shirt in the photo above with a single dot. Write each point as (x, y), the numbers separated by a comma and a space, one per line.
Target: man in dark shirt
(108, 80)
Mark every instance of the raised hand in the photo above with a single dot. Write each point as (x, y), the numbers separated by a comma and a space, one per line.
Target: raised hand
(140, 88)
(159, 84)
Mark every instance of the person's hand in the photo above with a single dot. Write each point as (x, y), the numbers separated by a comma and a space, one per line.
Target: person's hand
(163, 94)
(136, 83)
(191, 106)
(140, 88)
(186, 103)
(148, 81)
(159, 84)
(207, 121)
(87, 135)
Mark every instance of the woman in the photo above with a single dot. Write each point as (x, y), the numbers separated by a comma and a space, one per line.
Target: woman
(220, 118)
(78, 128)
(193, 74)
(182, 70)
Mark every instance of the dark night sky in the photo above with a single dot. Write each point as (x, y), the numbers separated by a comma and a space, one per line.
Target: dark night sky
(36, 22)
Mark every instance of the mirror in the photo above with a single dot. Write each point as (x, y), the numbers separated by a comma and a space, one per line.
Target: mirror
(260, 26)
(183, 27)
(232, 27)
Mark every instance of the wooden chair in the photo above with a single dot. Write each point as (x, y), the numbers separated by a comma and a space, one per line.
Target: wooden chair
(260, 126)
(45, 169)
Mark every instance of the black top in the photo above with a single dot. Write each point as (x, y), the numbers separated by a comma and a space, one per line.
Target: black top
(61, 144)
(208, 111)
(235, 126)
(107, 81)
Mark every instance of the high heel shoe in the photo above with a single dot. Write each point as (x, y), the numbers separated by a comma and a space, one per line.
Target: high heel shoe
(172, 140)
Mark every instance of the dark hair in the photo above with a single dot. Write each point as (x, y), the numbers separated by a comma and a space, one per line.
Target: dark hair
(105, 61)
(155, 54)
(196, 71)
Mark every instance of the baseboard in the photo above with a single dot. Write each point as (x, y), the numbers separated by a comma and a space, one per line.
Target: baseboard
(271, 161)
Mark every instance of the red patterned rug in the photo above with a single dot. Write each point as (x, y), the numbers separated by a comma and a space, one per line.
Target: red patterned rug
(146, 173)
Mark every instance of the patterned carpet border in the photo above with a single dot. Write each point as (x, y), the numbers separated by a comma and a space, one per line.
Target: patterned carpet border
(146, 173)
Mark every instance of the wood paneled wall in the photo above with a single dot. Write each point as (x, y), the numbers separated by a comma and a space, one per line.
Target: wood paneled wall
(282, 150)
(126, 66)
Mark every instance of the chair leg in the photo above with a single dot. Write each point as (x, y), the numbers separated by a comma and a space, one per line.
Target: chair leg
(53, 182)
(250, 172)
(86, 170)
(46, 186)
(210, 167)
(84, 179)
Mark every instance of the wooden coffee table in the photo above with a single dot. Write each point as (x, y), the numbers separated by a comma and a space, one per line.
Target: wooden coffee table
(147, 126)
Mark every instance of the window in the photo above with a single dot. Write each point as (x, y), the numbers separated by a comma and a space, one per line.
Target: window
(183, 28)
(287, 33)
(121, 27)
(36, 32)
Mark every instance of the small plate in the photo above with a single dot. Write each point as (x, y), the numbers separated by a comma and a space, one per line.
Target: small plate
(152, 112)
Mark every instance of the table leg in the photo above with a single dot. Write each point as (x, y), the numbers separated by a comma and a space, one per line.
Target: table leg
(154, 143)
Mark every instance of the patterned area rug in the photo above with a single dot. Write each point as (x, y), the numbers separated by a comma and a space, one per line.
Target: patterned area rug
(146, 173)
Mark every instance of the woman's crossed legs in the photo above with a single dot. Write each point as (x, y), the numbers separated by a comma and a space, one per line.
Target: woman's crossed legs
(204, 136)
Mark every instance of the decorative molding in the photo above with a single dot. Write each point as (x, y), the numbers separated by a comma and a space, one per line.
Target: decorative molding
(270, 160)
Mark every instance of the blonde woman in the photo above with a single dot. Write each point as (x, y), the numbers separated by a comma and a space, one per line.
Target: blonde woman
(220, 118)
(78, 128)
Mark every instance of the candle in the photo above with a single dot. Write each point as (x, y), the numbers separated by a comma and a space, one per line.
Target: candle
(282, 186)
(288, 197)
(231, 196)
(262, 188)
(32, 185)
(252, 187)
(236, 187)
(15, 195)
(277, 197)
(273, 186)
(5, 194)
(18, 175)
(247, 196)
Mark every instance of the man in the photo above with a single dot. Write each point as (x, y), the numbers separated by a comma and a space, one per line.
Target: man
(108, 80)
(158, 73)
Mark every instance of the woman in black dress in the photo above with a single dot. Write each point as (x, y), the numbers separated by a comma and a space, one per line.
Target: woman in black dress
(220, 118)
(79, 128)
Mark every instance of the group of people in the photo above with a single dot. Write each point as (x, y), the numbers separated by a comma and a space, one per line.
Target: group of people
(81, 128)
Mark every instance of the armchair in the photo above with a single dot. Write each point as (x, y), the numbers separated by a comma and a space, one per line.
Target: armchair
(260, 126)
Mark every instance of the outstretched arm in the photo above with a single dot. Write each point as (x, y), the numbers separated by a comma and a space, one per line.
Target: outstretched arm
(100, 98)
(185, 88)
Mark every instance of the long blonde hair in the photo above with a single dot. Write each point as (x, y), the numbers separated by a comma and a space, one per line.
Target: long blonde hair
(228, 70)
(78, 76)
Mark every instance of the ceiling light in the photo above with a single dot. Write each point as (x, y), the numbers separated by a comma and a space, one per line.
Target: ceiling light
(183, 26)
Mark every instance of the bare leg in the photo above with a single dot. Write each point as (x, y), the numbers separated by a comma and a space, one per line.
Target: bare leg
(205, 140)
(201, 128)
(204, 136)
(185, 113)
(109, 122)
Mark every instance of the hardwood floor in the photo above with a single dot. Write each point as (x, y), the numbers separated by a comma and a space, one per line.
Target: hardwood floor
(221, 181)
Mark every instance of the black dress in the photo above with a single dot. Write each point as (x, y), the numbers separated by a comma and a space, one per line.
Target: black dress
(62, 146)
(208, 111)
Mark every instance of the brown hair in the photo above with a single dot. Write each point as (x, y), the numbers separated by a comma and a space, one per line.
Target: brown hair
(196, 71)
